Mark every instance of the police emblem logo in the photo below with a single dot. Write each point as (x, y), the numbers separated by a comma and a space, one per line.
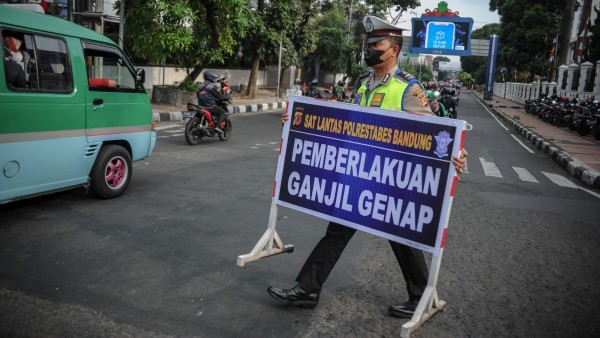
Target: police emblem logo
(443, 141)
(377, 100)
(424, 101)
(298, 116)
(369, 26)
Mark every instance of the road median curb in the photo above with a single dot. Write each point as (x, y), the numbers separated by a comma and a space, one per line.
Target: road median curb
(163, 116)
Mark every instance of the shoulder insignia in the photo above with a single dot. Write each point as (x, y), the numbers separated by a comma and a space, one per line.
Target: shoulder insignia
(404, 76)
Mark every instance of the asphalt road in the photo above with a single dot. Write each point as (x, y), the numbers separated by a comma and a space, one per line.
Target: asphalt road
(520, 258)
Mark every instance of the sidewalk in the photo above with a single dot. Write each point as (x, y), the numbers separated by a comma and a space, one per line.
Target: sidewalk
(578, 155)
(264, 100)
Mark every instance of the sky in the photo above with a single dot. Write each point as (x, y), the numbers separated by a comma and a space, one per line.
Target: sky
(478, 10)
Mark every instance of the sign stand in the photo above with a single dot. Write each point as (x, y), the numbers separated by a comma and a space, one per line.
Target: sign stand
(430, 304)
(269, 244)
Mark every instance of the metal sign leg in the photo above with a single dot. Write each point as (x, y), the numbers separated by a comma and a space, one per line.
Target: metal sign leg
(430, 304)
(269, 244)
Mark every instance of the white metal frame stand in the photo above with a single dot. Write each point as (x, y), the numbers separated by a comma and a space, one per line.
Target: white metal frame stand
(269, 244)
(430, 304)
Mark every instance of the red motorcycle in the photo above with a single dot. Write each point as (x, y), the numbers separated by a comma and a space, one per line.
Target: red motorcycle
(202, 123)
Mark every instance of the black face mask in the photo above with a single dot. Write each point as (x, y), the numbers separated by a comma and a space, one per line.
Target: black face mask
(373, 56)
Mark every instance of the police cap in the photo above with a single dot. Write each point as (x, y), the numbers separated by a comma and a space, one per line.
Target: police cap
(378, 29)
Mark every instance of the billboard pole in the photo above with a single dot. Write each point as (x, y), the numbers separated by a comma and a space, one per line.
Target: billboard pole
(488, 88)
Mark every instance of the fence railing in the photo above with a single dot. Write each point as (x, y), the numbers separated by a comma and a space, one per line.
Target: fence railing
(573, 81)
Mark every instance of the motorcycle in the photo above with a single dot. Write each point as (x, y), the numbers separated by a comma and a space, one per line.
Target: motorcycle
(202, 122)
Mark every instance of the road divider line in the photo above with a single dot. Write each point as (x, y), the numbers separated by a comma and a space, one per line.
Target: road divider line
(521, 143)
(489, 112)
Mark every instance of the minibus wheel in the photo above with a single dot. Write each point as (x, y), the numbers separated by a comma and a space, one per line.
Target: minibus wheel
(111, 173)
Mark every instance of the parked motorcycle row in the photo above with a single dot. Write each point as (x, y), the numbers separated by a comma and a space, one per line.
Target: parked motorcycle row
(581, 116)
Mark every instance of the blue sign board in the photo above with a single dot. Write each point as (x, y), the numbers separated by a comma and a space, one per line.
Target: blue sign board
(441, 35)
(383, 172)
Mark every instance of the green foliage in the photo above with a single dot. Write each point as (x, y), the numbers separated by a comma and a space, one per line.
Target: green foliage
(188, 85)
(593, 51)
(333, 44)
(188, 33)
(475, 65)
(526, 32)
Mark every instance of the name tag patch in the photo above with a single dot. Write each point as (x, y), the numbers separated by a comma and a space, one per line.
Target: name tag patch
(377, 100)
(357, 98)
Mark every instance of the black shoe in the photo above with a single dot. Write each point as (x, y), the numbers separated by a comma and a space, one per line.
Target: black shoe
(295, 296)
(404, 310)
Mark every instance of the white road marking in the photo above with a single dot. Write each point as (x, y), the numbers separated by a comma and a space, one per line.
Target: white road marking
(590, 192)
(484, 107)
(525, 175)
(560, 180)
(503, 126)
(173, 131)
(489, 168)
(167, 126)
(522, 144)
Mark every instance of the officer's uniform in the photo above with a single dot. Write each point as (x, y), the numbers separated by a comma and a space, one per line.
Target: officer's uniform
(396, 91)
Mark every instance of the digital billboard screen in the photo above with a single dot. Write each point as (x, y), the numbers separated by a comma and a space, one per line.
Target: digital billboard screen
(441, 35)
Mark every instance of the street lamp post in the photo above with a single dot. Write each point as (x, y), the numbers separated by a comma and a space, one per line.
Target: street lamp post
(279, 69)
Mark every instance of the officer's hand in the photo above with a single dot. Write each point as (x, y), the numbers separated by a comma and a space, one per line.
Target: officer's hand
(284, 118)
(459, 162)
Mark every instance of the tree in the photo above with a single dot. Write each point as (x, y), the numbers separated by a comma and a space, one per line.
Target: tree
(527, 30)
(475, 65)
(333, 46)
(272, 23)
(191, 34)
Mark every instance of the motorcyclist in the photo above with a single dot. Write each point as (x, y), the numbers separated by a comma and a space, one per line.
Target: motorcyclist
(313, 90)
(436, 107)
(338, 92)
(449, 102)
(208, 95)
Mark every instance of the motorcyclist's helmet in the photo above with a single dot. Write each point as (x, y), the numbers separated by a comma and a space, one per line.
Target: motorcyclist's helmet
(341, 83)
(436, 95)
(211, 75)
(314, 82)
(429, 95)
(565, 99)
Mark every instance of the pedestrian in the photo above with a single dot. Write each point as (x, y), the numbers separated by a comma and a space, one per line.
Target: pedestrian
(389, 88)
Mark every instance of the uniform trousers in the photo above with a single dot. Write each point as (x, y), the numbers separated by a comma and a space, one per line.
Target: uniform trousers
(321, 261)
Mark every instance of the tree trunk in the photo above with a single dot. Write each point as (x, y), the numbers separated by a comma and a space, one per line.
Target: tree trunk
(564, 49)
(194, 74)
(251, 91)
(281, 85)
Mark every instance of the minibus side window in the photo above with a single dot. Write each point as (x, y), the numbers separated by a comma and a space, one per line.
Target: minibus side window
(107, 71)
(36, 63)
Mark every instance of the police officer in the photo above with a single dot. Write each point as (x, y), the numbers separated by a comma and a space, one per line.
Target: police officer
(389, 88)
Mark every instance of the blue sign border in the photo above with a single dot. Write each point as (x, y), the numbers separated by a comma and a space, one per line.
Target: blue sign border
(307, 129)
(416, 24)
